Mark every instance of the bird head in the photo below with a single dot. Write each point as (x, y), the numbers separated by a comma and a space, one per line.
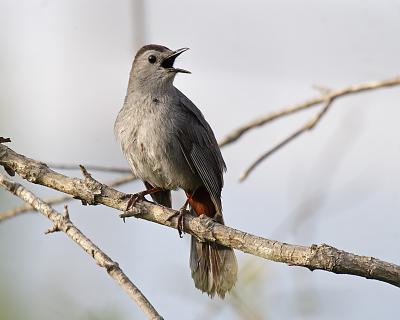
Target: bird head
(153, 66)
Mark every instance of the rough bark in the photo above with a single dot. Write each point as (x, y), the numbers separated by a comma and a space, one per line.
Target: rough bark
(314, 257)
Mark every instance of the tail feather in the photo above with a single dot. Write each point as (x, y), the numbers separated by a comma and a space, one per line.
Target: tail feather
(214, 267)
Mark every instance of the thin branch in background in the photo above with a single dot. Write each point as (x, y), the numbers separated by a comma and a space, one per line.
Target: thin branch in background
(243, 309)
(62, 222)
(311, 200)
(245, 297)
(25, 208)
(258, 122)
(57, 200)
(307, 127)
(89, 167)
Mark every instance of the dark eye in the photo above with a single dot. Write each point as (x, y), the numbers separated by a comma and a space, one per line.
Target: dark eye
(152, 59)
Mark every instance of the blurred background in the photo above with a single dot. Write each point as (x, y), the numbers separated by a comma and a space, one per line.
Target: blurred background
(64, 70)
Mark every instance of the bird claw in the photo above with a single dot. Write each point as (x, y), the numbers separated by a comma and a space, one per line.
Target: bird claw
(180, 226)
(133, 199)
(181, 221)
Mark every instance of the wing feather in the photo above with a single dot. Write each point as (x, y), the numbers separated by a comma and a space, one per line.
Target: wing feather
(200, 149)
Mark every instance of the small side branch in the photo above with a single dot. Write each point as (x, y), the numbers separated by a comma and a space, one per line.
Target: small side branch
(60, 166)
(4, 140)
(62, 222)
(308, 126)
(57, 200)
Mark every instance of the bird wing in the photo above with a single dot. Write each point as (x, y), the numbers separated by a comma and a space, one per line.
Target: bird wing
(200, 148)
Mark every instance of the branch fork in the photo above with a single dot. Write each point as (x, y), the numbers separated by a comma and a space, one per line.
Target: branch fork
(62, 222)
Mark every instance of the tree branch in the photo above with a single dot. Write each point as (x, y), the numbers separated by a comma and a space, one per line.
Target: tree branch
(89, 167)
(236, 134)
(308, 126)
(322, 257)
(57, 200)
(4, 140)
(63, 223)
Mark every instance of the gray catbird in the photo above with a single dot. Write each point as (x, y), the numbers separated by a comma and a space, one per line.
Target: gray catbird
(170, 145)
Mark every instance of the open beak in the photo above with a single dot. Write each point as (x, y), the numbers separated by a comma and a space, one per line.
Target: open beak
(168, 62)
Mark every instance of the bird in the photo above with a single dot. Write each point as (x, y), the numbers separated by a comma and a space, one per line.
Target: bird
(169, 145)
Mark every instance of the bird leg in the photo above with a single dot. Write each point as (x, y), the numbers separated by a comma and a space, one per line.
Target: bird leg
(133, 198)
(181, 216)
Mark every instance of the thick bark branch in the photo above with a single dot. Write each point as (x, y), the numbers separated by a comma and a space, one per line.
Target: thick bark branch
(63, 223)
(322, 257)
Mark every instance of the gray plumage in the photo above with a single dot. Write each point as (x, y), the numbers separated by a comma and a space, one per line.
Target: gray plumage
(170, 145)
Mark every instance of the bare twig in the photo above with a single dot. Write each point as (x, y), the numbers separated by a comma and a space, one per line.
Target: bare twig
(236, 134)
(89, 167)
(57, 200)
(62, 222)
(8, 170)
(322, 257)
(4, 140)
(308, 126)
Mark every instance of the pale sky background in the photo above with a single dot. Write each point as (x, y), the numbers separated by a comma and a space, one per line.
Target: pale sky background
(64, 70)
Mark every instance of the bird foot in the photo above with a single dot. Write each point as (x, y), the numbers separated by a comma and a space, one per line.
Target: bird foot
(134, 198)
(181, 221)
(181, 216)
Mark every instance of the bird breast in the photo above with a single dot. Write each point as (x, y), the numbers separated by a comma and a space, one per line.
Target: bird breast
(149, 139)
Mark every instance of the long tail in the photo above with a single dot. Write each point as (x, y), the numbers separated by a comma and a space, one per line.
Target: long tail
(214, 267)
